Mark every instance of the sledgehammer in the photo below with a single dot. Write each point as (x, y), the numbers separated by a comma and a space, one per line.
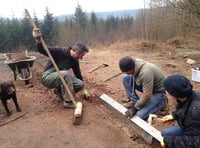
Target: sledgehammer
(78, 105)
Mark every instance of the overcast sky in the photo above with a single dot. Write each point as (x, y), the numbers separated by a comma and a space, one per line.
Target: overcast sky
(10, 8)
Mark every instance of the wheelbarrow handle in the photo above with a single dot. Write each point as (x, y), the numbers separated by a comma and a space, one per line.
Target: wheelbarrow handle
(7, 56)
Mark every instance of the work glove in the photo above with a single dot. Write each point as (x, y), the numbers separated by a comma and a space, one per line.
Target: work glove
(131, 112)
(86, 95)
(167, 118)
(37, 34)
(162, 142)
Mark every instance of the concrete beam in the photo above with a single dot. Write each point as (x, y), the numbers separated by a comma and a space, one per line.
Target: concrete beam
(145, 130)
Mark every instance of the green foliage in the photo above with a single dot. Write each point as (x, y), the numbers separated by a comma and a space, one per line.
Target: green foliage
(12, 33)
(25, 34)
(49, 28)
(16, 34)
(80, 17)
(3, 35)
(160, 22)
(93, 19)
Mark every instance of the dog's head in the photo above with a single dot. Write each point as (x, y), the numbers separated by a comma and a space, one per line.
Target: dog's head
(8, 86)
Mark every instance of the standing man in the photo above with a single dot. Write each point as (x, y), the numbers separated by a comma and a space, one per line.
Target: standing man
(66, 59)
(186, 134)
(146, 78)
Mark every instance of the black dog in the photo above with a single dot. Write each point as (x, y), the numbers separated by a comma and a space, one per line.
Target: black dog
(8, 91)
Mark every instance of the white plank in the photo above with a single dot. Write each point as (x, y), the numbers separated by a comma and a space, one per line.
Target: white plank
(135, 119)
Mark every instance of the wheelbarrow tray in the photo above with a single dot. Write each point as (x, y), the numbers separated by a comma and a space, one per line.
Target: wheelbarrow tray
(20, 63)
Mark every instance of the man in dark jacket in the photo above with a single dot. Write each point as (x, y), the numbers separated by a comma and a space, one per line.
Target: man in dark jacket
(187, 114)
(66, 59)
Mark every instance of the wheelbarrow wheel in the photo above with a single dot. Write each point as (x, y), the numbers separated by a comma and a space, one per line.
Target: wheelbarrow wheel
(26, 82)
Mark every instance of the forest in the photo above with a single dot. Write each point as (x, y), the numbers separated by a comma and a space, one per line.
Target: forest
(161, 21)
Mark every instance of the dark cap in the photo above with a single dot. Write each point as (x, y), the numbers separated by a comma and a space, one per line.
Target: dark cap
(178, 86)
(126, 63)
(80, 46)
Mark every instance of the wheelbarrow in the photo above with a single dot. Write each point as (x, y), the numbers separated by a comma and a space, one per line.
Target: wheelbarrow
(21, 67)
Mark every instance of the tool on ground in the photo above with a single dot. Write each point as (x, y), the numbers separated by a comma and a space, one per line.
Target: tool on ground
(78, 105)
(112, 77)
(154, 119)
(100, 66)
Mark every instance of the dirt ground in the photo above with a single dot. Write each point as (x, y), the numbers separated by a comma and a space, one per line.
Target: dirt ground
(44, 123)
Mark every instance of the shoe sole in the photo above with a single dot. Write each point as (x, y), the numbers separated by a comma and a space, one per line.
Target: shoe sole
(68, 105)
(128, 105)
(126, 100)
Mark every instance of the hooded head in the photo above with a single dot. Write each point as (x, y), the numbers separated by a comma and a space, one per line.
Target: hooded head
(126, 63)
(178, 86)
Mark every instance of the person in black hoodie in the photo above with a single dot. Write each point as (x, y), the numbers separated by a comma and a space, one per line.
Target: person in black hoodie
(186, 134)
(66, 59)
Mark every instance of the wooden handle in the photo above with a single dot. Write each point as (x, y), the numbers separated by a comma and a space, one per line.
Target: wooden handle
(30, 19)
(112, 77)
(52, 60)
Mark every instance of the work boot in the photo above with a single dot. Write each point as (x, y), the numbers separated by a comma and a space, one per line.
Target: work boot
(165, 110)
(129, 104)
(126, 100)
(68, 104)
(57, 91)
(166, 107)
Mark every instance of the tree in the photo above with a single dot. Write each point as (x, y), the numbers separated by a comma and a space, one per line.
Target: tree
(192, 6)
(12, 34)
(26, 38)
(36, 20)
(93, 21)
(3, 35)
(50, 28)
(80, 17)
(80, 24)
(189, 9)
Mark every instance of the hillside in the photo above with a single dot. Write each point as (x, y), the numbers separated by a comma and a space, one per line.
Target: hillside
(47, 124)
(104, 15)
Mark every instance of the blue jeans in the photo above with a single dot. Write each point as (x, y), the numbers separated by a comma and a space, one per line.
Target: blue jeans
(128, 82)
(172, 131)
(156, 102)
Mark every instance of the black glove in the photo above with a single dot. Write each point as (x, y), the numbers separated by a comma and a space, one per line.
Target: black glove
(131, 112)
